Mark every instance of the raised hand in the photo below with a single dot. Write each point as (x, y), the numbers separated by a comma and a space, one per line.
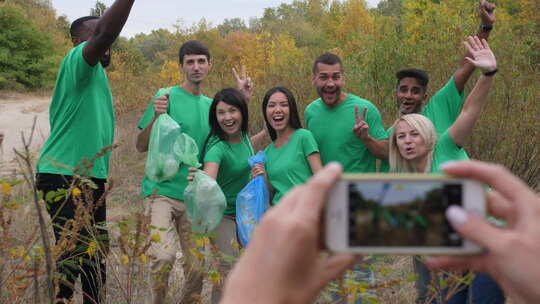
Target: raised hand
(243, 82)
(486, 11)
(361, 127)
(482, 56)
(161, 104)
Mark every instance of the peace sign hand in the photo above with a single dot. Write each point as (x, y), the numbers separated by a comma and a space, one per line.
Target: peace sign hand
(482, 56)
(361, 127)
(243, 82)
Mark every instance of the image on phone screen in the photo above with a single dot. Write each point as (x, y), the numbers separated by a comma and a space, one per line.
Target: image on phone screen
(402, 213)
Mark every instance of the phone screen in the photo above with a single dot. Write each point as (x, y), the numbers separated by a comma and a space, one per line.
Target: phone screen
(402, 213)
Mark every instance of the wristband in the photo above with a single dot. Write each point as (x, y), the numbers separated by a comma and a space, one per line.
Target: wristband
(486, 28)
(491, 73)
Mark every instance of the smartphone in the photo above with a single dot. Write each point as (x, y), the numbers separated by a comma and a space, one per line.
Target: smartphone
(399, 214)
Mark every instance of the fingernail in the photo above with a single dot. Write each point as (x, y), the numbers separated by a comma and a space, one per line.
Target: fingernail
(335, 165)
(456, 215)
(447, 165)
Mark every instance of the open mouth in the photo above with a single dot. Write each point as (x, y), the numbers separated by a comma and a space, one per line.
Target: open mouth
(229, 123)
(278, 118)
(409, 150)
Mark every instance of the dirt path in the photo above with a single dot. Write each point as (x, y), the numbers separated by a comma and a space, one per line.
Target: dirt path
(16, 116)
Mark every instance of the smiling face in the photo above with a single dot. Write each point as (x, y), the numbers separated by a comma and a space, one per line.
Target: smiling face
(229, 118)
(410, 143)
(328, 79)
(410, 95)
(195, 68)
(277, 111)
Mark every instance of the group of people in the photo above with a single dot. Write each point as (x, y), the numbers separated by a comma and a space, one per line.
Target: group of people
(339, 127)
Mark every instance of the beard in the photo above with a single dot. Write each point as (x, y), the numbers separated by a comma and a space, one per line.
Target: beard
(337, 93)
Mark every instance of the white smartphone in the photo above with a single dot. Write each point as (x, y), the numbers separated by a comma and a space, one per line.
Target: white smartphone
(399, 214)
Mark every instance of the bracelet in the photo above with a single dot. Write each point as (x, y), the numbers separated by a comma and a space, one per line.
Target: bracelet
(486, 28)
(491, 73)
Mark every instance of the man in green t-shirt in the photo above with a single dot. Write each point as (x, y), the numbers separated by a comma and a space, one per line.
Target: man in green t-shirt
(445, 105)
(164, 201)
(82, 129)
(336, 125)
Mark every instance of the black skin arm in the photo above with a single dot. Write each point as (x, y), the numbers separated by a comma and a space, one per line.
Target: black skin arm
(486, 12)
(108, 28)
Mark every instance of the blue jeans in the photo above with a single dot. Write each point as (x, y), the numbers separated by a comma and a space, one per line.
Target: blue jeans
(483, 289)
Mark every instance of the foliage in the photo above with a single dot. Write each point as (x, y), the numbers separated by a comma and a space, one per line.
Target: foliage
(25, 55)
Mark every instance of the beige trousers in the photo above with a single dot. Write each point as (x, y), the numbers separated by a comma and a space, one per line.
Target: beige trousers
(225, 241)
(169, 217)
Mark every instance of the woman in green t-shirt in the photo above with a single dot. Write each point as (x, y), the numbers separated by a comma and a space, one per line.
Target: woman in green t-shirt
(225, 156)
(293, 155)
(415, 148)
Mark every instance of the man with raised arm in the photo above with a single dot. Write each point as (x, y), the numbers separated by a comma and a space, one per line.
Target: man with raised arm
(445, 105)
(82, 128)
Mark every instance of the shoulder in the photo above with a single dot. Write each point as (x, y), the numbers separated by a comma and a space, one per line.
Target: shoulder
(353, 99)
(304, 133)
(314, 105)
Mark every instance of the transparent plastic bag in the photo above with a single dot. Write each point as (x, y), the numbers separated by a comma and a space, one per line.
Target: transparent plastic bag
(162, 161)
(205, 203)
(251, 203)
(169, 148)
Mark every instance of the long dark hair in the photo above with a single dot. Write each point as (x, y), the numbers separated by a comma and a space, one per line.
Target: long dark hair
(230, 96)
(294, 118)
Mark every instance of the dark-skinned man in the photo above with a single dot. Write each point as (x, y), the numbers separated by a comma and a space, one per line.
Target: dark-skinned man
(82, 126)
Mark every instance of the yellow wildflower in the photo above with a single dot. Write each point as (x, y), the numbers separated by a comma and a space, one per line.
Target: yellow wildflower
(156, 238)
(215, 277)
(76, 191)
(6, 188)
(124, 259)
(91, 248)
(143, 258)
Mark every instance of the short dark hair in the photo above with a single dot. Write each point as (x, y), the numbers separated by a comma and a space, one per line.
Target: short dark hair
(326, 58)
(294, 118)
(77, 25)
(230, 96)
(420, 75)
(192, 47)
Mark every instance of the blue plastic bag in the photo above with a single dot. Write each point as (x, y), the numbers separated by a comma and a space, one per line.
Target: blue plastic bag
(251, 203)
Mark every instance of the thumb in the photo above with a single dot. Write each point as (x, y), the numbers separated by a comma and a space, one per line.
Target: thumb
(473, 228)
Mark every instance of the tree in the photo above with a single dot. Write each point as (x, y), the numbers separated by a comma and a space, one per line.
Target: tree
(27, 54)
(99, 9)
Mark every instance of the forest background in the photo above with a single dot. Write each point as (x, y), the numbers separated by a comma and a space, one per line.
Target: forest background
(279, 47)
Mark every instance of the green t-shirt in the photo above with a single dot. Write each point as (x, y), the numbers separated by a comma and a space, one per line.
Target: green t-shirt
(287, 166)
(332, 129)
(191, 113)
(81, 118)
(442, 109)
(445, 150)
(234, 170)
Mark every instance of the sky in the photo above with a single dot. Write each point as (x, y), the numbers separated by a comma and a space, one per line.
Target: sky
(146, 15)
(397, 192)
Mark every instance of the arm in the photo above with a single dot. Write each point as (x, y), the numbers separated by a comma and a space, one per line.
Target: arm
(258, 140)
(484, 59)
(379, 148)
(486, 11)
(211, 169)
(160, 106)
(314, 160)
(107, 30)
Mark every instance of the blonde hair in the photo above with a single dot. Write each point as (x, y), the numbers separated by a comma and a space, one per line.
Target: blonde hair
(426, 130)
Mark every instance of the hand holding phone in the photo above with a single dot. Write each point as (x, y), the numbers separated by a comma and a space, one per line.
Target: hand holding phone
(400, 214)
